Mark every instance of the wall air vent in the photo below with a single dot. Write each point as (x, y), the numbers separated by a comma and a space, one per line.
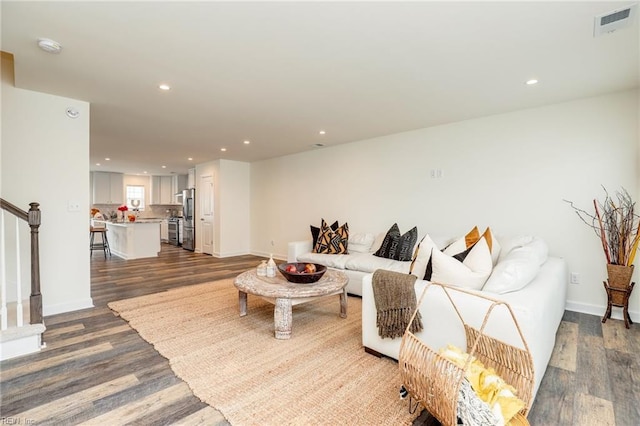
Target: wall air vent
(614, 20)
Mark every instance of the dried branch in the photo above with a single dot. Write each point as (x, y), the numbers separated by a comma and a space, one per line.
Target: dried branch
(603, 239)
(616, 224)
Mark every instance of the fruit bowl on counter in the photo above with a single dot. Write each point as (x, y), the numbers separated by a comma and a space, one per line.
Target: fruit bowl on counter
(302, 273)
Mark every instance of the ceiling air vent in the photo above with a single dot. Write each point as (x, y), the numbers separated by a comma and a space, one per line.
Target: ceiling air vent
(614, 20)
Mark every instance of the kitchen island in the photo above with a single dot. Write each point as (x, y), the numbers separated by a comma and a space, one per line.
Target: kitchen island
(134, 240)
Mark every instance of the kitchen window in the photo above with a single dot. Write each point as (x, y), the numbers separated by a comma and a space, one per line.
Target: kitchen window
(135, 192)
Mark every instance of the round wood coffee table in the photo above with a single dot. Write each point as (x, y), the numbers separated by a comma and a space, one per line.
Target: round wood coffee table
(284, 294)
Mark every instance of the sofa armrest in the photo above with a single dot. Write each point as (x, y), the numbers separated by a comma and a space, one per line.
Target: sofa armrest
(297, 248)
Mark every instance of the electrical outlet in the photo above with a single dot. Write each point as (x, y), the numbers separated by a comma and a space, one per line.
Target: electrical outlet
(575, 278)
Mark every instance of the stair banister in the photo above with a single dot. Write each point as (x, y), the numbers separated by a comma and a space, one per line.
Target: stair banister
(32, 217)
(36, 298)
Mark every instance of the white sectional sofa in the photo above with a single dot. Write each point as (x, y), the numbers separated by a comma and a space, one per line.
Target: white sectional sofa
(359, 262)
(524, 276)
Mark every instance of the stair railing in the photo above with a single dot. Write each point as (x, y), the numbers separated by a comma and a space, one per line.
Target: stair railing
(32, 217)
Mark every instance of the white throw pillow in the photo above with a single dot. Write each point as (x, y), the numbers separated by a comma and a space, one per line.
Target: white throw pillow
(463, 243)
(471, 273)
(419, 264)
(509, 243)
(515, 270)
(360, 243)
(540, 248)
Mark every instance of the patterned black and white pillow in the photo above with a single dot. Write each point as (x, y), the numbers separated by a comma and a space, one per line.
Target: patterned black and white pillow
(315, 231)
(332, 242)
(398, 246)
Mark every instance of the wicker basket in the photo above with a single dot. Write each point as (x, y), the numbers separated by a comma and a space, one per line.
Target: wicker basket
(619, 276)
(434, 381)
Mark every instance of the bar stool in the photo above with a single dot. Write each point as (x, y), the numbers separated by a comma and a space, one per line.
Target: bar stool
(104, 242)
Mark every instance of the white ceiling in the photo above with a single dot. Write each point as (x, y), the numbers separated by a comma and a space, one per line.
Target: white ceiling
(277, 73)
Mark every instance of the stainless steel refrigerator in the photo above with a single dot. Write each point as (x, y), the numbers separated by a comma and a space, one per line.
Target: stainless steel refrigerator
(189, 231)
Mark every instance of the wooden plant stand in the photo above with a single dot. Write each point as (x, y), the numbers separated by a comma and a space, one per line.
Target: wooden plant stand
(618, 297)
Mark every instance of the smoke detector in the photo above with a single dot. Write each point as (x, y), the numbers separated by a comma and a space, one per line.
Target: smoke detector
(614, 20)
(72, 112)
(48, 45)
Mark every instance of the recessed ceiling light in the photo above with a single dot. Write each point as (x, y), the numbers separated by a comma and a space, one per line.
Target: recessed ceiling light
(107, 159)
(145, 172)
(98, 164)
(322, 132)
(532, 82)
(247, 142)
(164, 87)
(223, 149)
(190, 159)
(48, 45)
(164, 167)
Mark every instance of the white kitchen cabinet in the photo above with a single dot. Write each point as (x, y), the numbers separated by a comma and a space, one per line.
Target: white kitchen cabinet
(179, 184)
(191, 178)
(162, 190)
(108, 188)
(166, 190)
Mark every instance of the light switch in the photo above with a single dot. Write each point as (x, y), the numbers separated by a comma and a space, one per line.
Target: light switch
(73, 206)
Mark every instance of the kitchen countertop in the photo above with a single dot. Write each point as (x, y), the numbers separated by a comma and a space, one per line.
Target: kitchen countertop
(138, 221)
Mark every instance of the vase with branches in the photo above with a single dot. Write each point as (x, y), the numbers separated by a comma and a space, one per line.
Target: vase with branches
(616, 224)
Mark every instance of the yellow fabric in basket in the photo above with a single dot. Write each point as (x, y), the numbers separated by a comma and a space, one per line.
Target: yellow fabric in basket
(486, 383)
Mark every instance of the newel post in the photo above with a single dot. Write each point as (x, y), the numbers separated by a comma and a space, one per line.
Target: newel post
(36, 298)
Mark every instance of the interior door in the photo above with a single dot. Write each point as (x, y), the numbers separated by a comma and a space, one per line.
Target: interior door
(206, 213)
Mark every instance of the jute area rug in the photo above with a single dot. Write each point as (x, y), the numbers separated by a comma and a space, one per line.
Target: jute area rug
(321, 376)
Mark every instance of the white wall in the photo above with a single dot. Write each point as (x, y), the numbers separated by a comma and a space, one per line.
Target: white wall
(509, 171)
(234, 208)
(231, 202)
(45, 158)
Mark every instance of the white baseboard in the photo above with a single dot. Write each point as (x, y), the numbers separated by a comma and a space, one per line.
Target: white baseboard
(277, 256)
(60, 308)
(597, 310)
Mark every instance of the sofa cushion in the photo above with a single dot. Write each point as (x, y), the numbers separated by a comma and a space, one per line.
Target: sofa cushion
(336, 261)
(367, 262)
(472, 272)
(315, 231)
(396, 246)
(361, 243)
(332, 242)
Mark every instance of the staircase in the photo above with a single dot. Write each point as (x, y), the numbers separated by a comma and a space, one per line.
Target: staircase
(21, 322)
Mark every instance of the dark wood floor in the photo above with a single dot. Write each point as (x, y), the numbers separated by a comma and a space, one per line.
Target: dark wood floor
(97, 370)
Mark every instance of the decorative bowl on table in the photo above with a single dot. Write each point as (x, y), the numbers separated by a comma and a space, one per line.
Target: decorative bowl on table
(302, 273)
